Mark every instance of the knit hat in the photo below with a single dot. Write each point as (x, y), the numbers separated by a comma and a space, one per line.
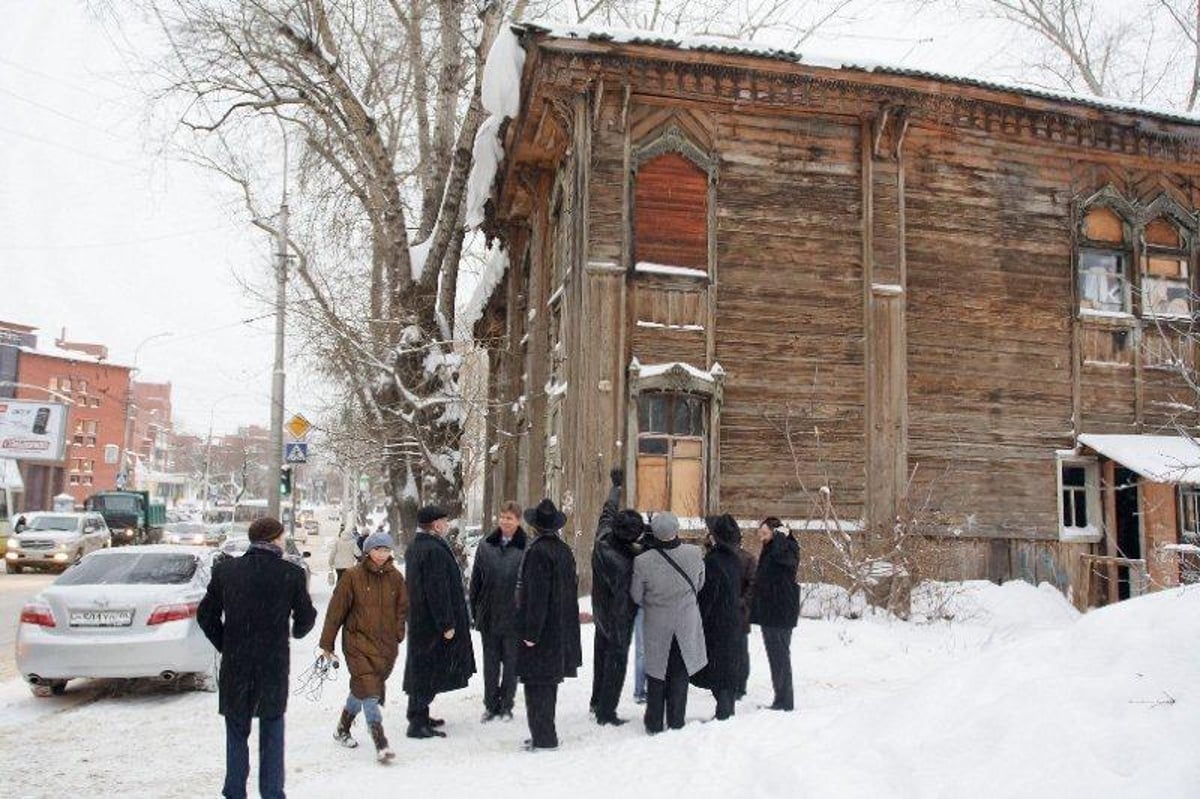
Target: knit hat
(629, 525)
(724, 528)
(430, 514)
(665, 526)
(377, 540)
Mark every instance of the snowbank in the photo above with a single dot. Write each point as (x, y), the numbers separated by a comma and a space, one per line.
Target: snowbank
(1023, 699)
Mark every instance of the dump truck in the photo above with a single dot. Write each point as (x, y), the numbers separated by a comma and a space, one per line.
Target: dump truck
(130, 515)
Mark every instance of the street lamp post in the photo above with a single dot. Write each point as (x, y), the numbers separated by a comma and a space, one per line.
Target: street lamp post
(123, 475)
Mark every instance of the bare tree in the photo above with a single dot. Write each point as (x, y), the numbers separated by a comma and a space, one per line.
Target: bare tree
(1099, 48)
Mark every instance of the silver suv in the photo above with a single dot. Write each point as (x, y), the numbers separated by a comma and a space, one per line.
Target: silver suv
(54, 540)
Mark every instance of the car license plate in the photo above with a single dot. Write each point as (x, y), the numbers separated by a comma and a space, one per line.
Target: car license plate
(101, 618)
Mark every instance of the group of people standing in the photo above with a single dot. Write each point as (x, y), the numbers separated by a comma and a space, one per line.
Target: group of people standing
(694, 608)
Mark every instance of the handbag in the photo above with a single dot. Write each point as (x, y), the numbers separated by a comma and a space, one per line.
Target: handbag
(679, 569)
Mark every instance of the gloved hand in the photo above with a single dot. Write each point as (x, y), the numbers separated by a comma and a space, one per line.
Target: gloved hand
(617, 476)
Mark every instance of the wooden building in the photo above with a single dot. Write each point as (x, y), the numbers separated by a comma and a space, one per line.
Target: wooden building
(747, 278)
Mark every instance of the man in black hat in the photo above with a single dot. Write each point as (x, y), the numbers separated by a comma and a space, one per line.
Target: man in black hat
(440, 656)
(613, 610)
(548, 622)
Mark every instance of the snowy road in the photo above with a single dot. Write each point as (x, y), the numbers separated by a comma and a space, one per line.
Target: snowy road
(15, 590)
(1018, 696)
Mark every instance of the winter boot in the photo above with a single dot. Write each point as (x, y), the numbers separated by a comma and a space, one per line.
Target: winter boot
(342, 735)
(383, 752)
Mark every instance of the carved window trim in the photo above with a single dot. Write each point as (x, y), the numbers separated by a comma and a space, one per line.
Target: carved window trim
(678, 379)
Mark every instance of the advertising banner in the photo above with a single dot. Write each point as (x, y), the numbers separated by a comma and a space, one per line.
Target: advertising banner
(32, 431)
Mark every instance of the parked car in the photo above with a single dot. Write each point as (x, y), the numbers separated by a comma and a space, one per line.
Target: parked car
(122, 612)
(208, 535)
(54, 540)
(235, 547)
(312, 527)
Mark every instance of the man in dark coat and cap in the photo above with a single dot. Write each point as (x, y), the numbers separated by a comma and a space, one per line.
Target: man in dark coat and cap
(548, 621)
(245, 614)
(440, 656)
(724, 631)
(613, 609)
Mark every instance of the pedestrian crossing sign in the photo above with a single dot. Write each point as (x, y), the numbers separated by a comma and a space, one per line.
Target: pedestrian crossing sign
(295, 452)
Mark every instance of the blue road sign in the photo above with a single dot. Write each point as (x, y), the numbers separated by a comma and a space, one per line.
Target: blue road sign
(295, 452)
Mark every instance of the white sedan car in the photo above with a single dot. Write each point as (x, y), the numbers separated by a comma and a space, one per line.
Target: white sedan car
(124, 612)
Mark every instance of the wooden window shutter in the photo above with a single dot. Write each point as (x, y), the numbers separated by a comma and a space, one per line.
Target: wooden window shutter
(1102, 224)
(671, 213)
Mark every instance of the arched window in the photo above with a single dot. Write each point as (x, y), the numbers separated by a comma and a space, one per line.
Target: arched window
(1166, 290)
(1104, 262)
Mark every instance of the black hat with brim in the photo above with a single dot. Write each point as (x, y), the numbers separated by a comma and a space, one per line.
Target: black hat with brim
(545, 517)
(430, 514)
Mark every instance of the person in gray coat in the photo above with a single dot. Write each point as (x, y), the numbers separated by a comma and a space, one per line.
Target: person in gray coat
(666, 580)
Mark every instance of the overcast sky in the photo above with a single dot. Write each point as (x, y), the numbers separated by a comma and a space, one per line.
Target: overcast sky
(116, 243)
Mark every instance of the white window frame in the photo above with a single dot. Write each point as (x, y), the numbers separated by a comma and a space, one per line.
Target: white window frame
(1094, 531)
(1189, 493)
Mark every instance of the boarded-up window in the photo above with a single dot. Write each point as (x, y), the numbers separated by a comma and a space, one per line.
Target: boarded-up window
(1103, 224)
(1166, 288)
(1104, 261)
(671, 213)
(670, 465)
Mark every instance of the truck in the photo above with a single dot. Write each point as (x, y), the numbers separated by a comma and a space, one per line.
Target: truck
(130, 515)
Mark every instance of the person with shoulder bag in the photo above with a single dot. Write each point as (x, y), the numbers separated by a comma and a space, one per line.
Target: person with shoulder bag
(666, 580)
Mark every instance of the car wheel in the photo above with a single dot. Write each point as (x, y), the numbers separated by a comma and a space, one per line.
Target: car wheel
(58, 687)
(13, 568)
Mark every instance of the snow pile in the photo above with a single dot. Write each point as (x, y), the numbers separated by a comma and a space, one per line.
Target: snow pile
(1016, 606)
(501, 96)
(1025, 699)
(493, 272)
(666, 269)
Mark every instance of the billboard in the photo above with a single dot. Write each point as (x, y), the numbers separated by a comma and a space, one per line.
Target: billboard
(34, 431)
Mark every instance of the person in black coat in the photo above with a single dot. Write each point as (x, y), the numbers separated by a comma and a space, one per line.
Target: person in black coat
(776, 605)
(548, 621)
(724, 630)
(245, 614)
(613, 609)
(493, 596)
(749, 567)
(440, 656)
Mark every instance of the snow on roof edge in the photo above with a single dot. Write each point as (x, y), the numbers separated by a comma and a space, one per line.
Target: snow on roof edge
(719, 44)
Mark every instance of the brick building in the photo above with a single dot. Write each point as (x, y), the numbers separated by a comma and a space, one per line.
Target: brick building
(151, 422)
(96, 393)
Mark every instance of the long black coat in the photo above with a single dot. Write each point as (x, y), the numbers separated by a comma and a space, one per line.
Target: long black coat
(724, 632)
(776, 594)
(245, 615)
(613, 609)
(548, 613)
(436, 603)
(493, 591)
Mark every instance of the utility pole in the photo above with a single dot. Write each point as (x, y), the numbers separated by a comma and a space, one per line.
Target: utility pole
(275, 463)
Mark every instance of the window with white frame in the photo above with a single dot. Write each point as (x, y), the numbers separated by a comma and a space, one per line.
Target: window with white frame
(1079, 498)
(1189, 515)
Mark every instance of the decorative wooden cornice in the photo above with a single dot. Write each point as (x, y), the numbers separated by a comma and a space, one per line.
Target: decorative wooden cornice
(957, 106)
(674, 140)
(1140, 213)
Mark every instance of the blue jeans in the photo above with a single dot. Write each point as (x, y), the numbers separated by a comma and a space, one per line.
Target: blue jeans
(237, 757)
(639, 657)
(369, 706)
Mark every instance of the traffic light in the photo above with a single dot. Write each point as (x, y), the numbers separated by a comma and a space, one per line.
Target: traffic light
(285, 481)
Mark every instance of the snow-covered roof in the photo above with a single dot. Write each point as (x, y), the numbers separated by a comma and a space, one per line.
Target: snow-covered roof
(720, 44)
(1163, 459)
(70, 355)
